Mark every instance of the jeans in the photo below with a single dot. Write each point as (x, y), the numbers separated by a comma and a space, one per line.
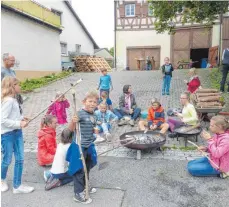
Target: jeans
(12, 142)
(107, 90)
(63, 177)
(166, 84)
(174, 123)
(120, 113)
(224, 77)
(104, 127)
(148, 67)
(79, 177)
(201, 167)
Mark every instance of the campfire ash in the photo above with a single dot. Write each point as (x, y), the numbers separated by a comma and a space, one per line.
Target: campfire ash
(146, 139)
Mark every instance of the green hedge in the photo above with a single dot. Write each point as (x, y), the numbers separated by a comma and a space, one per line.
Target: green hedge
(30, 84)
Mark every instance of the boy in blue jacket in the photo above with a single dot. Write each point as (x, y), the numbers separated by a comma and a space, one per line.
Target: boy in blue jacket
(104, 117)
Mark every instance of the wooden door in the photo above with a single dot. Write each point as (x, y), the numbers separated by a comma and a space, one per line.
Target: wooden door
(213, 52)
(180, 46)
(132, 56)
(201, 38)
(225, 33)
(153, 52)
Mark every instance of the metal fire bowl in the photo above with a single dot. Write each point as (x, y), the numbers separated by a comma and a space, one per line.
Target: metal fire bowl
(185, 134)
(142, 146)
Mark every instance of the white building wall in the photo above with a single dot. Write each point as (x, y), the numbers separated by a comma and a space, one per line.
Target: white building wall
(35, 46)
(126, 39)
(215, 35)
(72, 32)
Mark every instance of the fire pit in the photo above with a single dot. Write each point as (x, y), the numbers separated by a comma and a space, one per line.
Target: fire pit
(143, 141)
(182, 132)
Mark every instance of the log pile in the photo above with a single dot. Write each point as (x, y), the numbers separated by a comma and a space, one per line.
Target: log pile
(207, 98)
(88, 63)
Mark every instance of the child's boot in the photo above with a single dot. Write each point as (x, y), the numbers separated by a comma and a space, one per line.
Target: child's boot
(81, 198)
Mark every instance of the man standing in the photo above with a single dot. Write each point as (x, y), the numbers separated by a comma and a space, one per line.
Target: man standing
(225, 62)
(8, 61)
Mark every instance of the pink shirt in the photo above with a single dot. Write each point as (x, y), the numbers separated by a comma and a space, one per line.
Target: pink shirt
(218, 148)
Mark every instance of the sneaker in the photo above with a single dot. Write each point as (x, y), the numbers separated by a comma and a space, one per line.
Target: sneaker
(52, 183)
(4, 186)
(173, 135)
(108, 137)
(91, 190)
(47, 175)
(23, 189)
(99, 139)
(122, 122)
(168, 94)
(81, 198)
(163, 94)
(131, 122)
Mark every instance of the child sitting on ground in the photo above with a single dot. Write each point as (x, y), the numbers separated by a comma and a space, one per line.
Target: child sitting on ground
(194, 82)
(167, 70)
(218, 149)
(58, 175)
(58, 108)
(104, 98)
(47, 140)
(104, 117)
(155, 119)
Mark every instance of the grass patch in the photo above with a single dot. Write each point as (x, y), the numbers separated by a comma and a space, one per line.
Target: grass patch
(191, 148)
(216, 77)
(30, 84)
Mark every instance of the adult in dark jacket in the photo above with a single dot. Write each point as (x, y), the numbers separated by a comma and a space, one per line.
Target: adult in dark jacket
(225, 62)
(127, 107)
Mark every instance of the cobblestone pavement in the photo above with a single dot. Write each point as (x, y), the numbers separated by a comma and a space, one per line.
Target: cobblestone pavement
(145, 84)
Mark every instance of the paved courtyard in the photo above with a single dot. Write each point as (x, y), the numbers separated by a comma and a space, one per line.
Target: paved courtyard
(145, 84)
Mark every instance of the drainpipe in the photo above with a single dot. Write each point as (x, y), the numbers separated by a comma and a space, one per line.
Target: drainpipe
(115, 21)
(220, 38)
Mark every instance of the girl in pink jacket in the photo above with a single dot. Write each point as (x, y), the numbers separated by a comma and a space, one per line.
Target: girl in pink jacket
(58, 108)
(218, 149)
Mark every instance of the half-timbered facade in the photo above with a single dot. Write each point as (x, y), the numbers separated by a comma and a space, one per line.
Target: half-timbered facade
(136, 39)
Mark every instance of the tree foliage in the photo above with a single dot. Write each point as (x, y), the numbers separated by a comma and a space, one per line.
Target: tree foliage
(112, 51)
(204, 12)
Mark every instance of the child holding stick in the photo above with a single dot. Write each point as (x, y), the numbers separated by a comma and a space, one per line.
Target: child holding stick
(218, 149)
(87, 122)
(12, 123)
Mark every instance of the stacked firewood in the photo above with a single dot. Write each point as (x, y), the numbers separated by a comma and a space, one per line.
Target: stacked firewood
(207, 98)
(88, 63)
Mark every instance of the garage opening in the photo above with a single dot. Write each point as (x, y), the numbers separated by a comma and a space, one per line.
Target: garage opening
(196, 55)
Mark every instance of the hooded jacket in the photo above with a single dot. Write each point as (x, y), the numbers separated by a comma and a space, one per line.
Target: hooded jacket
(156, 117)
(46, 145)
(193, 84)
(218, 148)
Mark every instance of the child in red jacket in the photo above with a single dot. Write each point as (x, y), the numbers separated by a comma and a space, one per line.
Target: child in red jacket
(47, 140)
(155, 119)
(194, 82)
(58, 108)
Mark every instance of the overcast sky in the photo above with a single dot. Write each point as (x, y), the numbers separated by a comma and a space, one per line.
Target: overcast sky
(98, 17)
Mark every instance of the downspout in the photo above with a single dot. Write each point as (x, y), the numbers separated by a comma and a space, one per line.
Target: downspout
(115, 16)
(220, 38)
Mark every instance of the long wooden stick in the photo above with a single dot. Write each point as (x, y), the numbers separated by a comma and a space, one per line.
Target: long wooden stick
(130, 142)
(206, 155)
(30, 120)
(78, 134)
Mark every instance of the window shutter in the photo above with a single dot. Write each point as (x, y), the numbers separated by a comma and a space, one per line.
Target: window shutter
(145, 9)
(122, 10)
(137, 9)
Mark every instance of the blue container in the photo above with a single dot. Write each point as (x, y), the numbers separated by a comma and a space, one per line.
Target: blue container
(144, 114)
(204, 62)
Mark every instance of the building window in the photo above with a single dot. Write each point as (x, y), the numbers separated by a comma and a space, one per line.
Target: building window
(150, 10)
(130, 10)
(59, 13)
(78, 48)
(63, 48)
